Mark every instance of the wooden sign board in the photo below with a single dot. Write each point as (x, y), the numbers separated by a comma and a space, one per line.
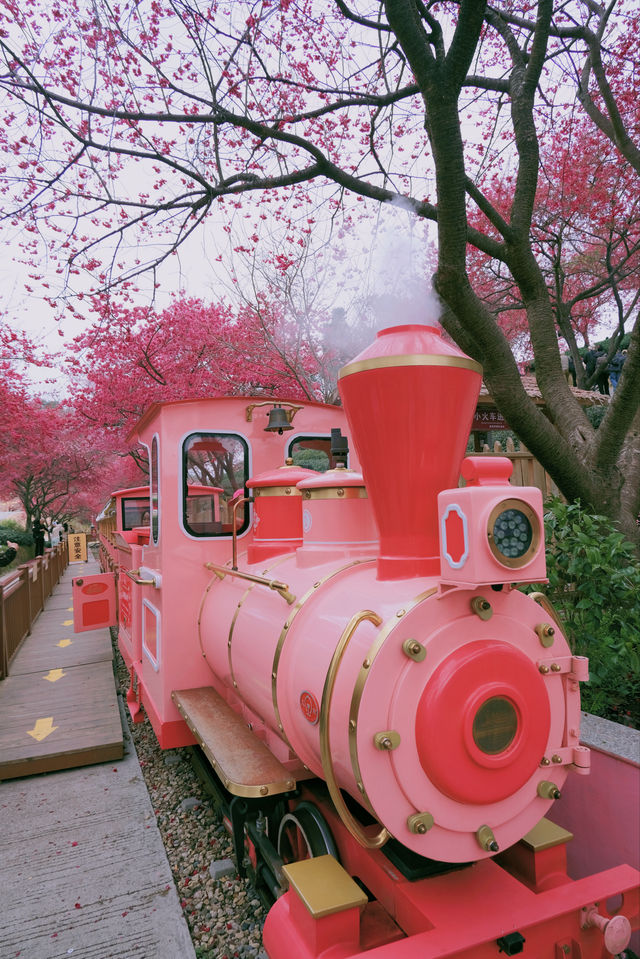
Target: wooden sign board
(77, 547)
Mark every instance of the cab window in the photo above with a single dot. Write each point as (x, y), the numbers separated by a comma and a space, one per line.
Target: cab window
(215, 468)
(312, 452)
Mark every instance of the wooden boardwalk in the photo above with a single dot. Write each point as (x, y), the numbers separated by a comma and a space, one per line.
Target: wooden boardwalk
(58, 706)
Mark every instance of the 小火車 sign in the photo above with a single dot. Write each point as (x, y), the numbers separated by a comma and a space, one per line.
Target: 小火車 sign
(486, 420)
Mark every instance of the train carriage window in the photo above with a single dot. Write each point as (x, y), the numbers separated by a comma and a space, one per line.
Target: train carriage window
(135, 512)
(215, 468)
(312, 452)
(155, 473)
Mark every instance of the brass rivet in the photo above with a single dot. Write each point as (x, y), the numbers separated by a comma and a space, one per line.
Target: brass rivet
(555, 668)
(481, 607)
(340, 492)
(352, 724)
(545, 762)
(545, 632)
(414, 650)
(400, 613)
(543, 669)
(420, 823)
(264, 790)
(556, 759)
(386, 739)
(366, 664)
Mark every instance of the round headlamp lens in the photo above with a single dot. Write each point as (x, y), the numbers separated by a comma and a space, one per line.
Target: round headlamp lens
(512, 533)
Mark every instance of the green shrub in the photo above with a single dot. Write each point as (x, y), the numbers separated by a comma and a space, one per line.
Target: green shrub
(10, 530)
(594, 584)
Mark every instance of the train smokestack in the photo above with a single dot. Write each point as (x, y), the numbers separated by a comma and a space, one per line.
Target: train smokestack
(410, 398)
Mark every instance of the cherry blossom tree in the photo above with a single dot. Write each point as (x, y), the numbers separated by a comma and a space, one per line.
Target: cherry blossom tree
(132, 357)
(128, 125)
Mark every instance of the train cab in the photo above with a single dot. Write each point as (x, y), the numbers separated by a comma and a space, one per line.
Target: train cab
(196, 510)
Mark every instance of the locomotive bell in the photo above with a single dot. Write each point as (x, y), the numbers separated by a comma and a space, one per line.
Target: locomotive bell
(278, 421)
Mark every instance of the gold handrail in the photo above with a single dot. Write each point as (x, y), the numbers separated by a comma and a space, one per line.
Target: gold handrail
(547, 605)
(234, 529)
(134, 574)
(276, 585)
(368, 842)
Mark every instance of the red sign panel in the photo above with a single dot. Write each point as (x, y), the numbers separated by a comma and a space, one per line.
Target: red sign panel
(486, 420)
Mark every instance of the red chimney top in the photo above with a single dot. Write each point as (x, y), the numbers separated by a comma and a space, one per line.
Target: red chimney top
(409, 398)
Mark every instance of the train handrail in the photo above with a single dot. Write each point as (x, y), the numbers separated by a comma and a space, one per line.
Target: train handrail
(274, 584)
(234, 528)
(380, 838)
(542, 600)
(134, 574)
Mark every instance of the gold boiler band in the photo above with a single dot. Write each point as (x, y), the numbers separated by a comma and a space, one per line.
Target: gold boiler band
(417, 359)
(350, 823)
(276, 491)
(358, 689)
(285, 632)
(336, 492)
(241, 602)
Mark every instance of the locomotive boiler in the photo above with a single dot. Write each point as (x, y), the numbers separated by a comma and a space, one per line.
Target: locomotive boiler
(389, 717)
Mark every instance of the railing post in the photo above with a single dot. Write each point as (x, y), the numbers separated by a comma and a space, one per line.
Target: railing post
(25, 574)
(40, 563)
(4, 654)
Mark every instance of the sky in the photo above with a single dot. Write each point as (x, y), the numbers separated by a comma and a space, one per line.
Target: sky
(382, 255)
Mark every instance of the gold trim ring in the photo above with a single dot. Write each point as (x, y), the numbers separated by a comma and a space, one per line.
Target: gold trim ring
(410, 359)
(514, 562)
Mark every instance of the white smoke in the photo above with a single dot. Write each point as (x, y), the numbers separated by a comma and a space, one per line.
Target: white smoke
(402, 257)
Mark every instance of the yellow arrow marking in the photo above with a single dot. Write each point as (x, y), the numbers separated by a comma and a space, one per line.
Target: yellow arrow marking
(54, 675)
(68, 622)
(42, 728)
(64, 642)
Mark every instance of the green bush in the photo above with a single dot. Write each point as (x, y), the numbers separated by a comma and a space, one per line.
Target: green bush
(10, 530)
(594, 584)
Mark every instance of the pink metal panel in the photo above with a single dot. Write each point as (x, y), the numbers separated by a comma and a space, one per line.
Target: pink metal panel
(94, 602)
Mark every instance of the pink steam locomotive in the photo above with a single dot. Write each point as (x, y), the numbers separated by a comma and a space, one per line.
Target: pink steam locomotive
(388, 717)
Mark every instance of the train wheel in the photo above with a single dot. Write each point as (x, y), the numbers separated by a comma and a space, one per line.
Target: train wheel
(304, 834)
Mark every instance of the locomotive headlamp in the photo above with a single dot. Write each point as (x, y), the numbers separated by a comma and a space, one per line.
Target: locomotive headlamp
(491, 532)
(513, 532)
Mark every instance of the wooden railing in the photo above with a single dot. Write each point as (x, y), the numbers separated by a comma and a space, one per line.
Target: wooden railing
(23, 593)
(527, 471)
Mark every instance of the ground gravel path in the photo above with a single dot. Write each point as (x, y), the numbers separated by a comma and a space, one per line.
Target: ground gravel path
(224, 915)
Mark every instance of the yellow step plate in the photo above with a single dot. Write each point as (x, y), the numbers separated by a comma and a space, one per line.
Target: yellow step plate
(324, 886)
(242, 761)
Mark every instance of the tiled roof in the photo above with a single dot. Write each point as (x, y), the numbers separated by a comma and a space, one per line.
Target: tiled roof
(584, 397)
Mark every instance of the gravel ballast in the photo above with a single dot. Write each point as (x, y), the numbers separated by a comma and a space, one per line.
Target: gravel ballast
(224, 915)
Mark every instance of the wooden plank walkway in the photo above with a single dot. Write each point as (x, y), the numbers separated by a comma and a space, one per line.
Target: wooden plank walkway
(58, 706)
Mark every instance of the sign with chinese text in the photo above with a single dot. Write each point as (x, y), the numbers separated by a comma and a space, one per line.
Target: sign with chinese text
(487, 420)
(77, 547)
